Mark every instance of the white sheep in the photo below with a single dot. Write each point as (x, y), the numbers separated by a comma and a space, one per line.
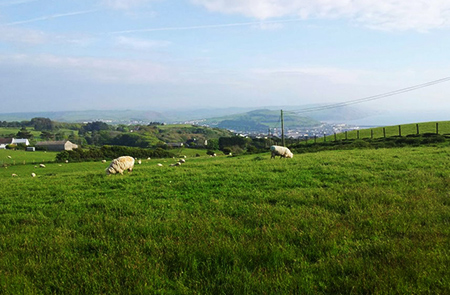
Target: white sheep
(120, 164)
(14, 175)
(139, 162)
(42, 165)
(281, 151)
(33, 175)
(103, 161)
(182, 161)
(160, 165)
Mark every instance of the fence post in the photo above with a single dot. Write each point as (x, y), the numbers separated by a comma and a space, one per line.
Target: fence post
(371, 133)
(357, 134)
(400, 130)
(417, 127)
(335, 138)
(345, 135)
(437, 128)
(384, 132)
(315, 138)
(324, 137)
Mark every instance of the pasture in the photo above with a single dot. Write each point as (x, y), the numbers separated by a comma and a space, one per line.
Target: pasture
(334, 222)
(20, 157)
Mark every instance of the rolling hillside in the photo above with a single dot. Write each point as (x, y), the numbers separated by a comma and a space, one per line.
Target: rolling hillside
(259, 121)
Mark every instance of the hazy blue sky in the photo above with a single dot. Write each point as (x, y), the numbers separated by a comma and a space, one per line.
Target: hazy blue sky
(156, 54)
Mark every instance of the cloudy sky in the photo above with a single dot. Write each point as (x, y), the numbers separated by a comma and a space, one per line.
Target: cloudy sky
(161, 54)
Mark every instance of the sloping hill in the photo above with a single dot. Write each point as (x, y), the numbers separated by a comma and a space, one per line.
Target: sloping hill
(259, 121)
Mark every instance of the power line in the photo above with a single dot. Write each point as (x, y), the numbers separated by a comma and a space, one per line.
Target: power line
(370, 98)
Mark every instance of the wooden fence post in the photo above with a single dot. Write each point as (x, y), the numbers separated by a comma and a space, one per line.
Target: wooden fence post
(384, 132)
(437, 128)
(315, 138)
(324, 137)
(357, 134)
(400, 130)
(371, 133)
(335, 138)
(345, 135)
(417, 127)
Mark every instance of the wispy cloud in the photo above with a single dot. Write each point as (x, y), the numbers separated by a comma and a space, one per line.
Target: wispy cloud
(94, 69)
(25, 36)
(124, 4)
(49, 17)
(387, 15)
(140, 44)
(17, 2)
(262, 24)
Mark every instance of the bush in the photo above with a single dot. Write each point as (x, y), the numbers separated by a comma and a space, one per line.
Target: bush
(226, 150)
(110, 152)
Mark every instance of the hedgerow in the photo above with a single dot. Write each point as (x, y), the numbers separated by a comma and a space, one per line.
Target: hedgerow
(110, 152)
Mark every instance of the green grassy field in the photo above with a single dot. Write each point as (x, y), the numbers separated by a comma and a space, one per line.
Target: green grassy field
(20, 157)
(335, 222)
(389, 131)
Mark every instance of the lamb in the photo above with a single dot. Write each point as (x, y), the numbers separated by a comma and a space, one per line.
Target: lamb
(281, 151)
(120, 164)
(42, 165)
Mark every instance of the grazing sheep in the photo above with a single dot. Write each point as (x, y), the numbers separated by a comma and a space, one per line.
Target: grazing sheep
(42, 165)
(120, 164)
(103, 161)
(149, 158)
(139, 162)
(160, 165)
(176, 164)
(14, 175)
(9, 157)
(182, 161)
(33, 175)
(281, 151)
(67, 161)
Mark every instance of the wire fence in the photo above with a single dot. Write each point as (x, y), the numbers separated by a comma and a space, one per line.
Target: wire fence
(420, 129)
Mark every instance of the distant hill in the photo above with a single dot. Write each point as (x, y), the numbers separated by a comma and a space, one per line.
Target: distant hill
(115, 116)
(264, 116)
(259, 121)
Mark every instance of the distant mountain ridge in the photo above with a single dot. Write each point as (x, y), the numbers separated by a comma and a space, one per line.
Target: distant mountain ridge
(182, 115)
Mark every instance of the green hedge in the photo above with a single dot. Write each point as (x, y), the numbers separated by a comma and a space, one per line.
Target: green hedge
(110, 152)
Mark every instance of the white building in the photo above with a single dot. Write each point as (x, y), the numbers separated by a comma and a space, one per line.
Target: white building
(20, 141)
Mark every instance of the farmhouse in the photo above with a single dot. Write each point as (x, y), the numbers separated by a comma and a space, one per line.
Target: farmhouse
(63, 145)
(6, 141)
(20, 141)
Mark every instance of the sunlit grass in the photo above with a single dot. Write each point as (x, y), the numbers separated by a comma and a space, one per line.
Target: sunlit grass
(337, 222)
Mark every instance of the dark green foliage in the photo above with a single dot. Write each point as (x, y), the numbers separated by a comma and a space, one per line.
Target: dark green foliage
(238, 141)
(41, 124)
(96, 126)
(130, 139)
(110, 152)
(24, 133)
